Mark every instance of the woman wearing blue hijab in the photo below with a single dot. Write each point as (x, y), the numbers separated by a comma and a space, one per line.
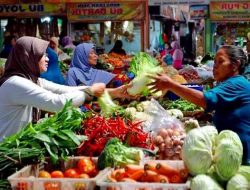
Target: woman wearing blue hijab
(81, 71)
(53, 72)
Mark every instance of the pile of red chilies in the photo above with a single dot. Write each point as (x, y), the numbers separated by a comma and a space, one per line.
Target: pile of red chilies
(99, 130)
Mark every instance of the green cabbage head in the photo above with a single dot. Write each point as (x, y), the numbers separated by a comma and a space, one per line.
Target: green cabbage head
(197, 150)
(238, 182)
(245, 171)
(228, 154)
(204, 182)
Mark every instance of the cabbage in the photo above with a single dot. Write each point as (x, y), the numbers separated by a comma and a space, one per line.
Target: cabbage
(197, 150)
(138, 84)
(228, 154)
(141, 65)
(245, 171)
(204, 182)
(108, 107)
(238, 182)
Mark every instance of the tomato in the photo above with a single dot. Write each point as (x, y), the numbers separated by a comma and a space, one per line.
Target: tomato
(52, 185)
(84, 176)
(57, 174)
(71, 173)
(85, 165)
(44, 174)
(22, 185)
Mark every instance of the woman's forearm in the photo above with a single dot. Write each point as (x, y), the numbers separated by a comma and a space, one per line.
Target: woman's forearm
(188, 94)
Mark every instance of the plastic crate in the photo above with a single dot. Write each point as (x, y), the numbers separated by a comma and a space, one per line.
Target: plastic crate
(104, 184)
(173, 96)
(25, 179)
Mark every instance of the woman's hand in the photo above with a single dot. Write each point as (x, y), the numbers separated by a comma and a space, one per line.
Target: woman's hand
(161, 82)
(97, 89)
(120, 92)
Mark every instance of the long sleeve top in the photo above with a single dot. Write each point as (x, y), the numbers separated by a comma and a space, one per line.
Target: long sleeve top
(231, 102)
(19, 95)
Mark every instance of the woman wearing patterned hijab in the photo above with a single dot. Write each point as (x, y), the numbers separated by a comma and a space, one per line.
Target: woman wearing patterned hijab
(23, 92)
(81, 71)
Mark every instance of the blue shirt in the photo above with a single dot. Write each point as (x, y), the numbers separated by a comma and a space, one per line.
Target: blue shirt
(231, 102)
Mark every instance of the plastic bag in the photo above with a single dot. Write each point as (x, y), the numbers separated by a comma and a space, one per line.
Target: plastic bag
(168, 132)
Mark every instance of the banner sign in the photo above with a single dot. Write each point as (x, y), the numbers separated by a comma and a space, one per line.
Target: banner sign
(177, 2)
(31, 10)
(133, 10)
(230, 11)
(198, 11)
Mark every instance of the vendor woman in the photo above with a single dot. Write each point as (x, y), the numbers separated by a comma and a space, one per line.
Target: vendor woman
(230, 99)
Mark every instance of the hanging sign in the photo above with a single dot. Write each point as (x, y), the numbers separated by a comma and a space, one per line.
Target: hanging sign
(106, 11)
(177, 2)
(167, 11)
(31, 10)
(230, 11)
(198, 11)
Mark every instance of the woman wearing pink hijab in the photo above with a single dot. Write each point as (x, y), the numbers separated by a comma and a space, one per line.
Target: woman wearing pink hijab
(177, 55)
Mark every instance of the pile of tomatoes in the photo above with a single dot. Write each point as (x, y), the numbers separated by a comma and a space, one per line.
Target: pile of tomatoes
(85, 168)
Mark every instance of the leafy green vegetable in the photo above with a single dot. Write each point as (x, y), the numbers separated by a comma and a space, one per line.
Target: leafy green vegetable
(197, 150)
(108, 107)
(245, 171)
(204, 182)
(117, 154)
(228, 154)
(238, 182)
(53, 136)
(141, 65)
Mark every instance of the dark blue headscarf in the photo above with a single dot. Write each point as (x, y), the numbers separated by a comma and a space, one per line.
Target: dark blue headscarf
(81, 72)
(53, 72)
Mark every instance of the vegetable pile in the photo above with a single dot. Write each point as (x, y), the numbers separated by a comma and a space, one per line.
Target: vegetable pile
(215, 159)
(169, 141)
(53, 136)
(150, 172)
(180, 104)
(100, 129)
(116, 154)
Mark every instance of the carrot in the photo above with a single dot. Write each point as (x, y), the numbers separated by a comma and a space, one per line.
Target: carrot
(127, 180)
(137, 175)
(161, 179)
(118, 174)
(150, 166)
(165, 169)
(175, 179)
(148, 176)
(132, 168)
(184, 173)
(111, 179)
(111, 188)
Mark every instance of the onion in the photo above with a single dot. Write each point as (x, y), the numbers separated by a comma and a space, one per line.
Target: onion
(158, 140)
(163, 132)
(169, 152)
(162, 147)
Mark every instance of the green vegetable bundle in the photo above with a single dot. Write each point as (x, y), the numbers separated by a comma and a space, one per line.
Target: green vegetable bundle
(141, 65)
(54, 136)
(116, 153)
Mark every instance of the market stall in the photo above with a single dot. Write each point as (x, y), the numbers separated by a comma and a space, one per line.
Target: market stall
(230, 23)
(146, 143)
(107, 21)
(39, 19)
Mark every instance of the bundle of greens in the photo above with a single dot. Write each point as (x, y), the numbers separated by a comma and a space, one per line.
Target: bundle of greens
(107, 105)
(116, 153)
(55, 136)
(142, 65)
